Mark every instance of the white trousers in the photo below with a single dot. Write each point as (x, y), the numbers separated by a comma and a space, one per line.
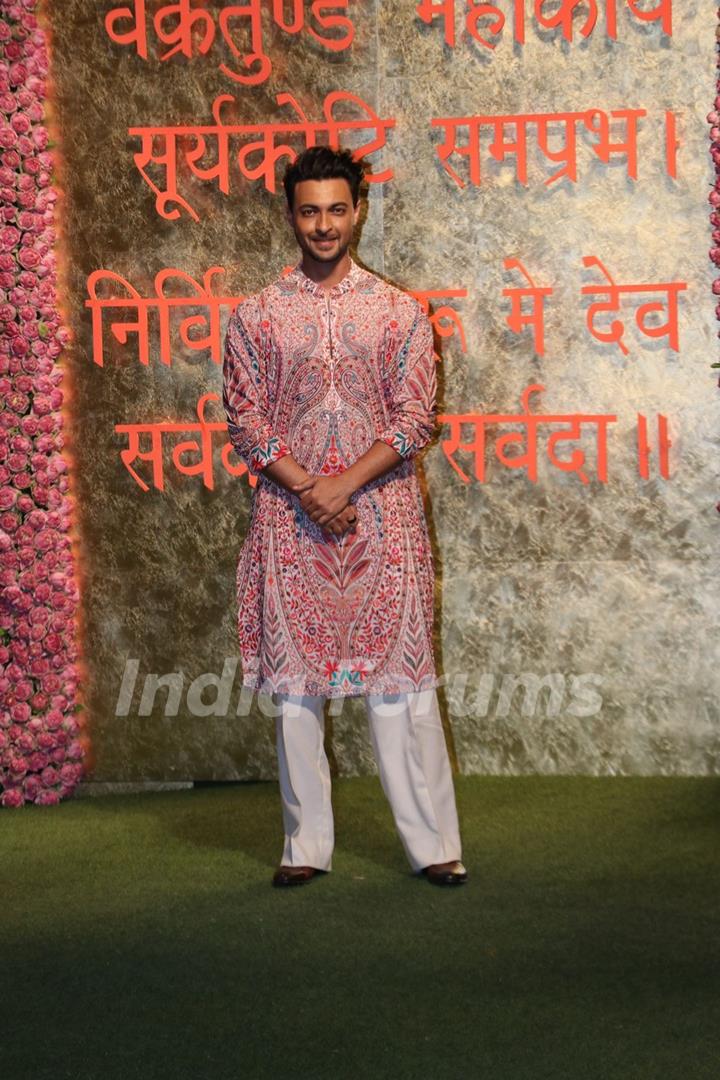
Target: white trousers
(409, 745)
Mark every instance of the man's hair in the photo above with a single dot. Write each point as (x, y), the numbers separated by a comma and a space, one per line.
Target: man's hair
(323, 163)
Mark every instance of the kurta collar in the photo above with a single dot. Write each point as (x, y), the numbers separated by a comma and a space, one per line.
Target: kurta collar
(348, 282)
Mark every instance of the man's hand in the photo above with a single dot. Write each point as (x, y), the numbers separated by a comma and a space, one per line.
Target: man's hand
(345, 521)
(323, 497)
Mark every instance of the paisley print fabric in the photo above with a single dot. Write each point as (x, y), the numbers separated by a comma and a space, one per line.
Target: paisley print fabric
(322, 375)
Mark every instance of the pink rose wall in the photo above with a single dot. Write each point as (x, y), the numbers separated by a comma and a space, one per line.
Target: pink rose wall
(41, 744)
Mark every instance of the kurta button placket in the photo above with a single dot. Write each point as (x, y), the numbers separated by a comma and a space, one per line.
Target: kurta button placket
(333, 400)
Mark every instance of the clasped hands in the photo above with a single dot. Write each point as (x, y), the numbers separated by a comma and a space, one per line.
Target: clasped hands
(326, 499)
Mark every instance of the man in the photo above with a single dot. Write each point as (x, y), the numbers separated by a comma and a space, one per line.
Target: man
(329, 389)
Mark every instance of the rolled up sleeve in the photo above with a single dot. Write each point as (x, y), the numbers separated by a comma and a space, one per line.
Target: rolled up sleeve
(411, 388)
(246, 393)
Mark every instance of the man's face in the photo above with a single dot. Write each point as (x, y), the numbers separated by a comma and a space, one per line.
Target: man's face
(323, 218)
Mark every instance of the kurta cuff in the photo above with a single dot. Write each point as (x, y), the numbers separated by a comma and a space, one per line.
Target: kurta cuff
(400, 442)
(266, 452)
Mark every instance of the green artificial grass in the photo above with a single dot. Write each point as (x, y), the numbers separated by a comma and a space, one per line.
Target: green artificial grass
(141, 938)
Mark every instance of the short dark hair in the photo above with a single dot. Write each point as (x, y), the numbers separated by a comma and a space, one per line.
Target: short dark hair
(324, 163)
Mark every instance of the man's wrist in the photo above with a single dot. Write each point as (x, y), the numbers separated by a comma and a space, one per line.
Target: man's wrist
(349, 481)
(375, 462)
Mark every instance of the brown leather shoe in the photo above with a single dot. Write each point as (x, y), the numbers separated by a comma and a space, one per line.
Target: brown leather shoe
(447, 873)
(294, 875)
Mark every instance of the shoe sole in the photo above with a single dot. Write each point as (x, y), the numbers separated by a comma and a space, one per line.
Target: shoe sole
(452, 881)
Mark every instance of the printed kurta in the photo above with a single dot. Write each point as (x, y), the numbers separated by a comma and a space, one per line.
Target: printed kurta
(322, 375)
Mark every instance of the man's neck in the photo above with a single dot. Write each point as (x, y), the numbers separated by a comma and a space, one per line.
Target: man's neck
(326, 275)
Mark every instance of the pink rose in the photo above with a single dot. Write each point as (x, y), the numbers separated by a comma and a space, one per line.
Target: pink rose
(49, 775)
(36, 86)
(28, 258)
(12, 797)
(31, 786)
(16, 462)
(36, 519)
(29, 425)
(20, 345)
(22, 480)
(20, 123)
(25, 148)
(11, 595)
(9, 521)
(20, 712)
(17, 765)
(71, 726)
(9, 237)
(75, 750)
(38, 616)
(47, 797)
(26, 743)
(18, 402)
(70, 774)
(27, 558)
(54, 719)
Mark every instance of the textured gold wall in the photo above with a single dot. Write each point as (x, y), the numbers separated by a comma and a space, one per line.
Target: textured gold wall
(549, 579)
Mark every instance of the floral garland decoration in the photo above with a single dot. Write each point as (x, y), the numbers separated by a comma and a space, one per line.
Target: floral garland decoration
(41, 743)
